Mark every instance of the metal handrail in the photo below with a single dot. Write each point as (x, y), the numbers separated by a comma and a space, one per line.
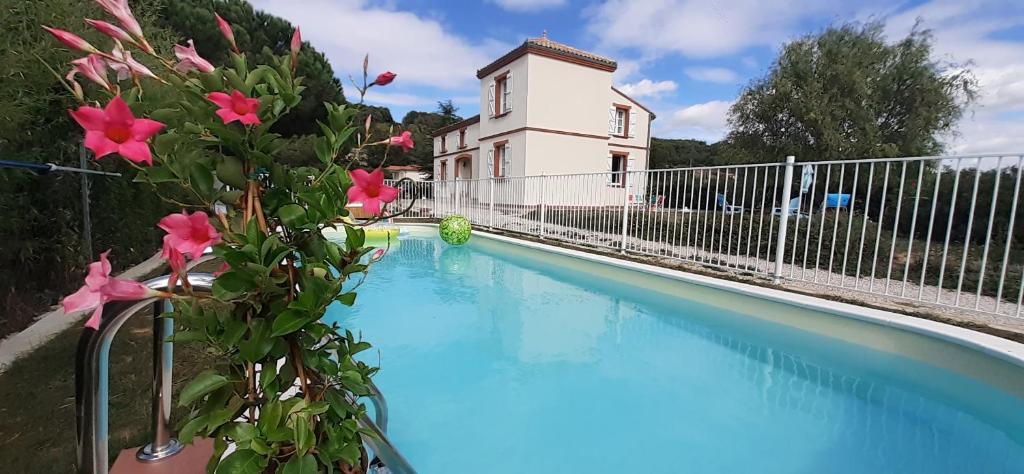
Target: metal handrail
(92, 387)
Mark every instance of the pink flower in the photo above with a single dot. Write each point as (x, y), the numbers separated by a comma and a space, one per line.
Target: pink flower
(296, 46)
(188, 234)
(377, 255)
(71, 40)
(236, 107)
(110, 30)
(120, 10)
(175, 259)
(93, 67)
(100, 288)
(384, 79)
(225, 29)
(126, 66)
(404, 140)
(114, 129)
(370, 190)
(189, 59)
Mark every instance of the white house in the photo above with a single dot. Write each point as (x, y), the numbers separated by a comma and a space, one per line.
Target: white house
(411, 172)
(547, 109)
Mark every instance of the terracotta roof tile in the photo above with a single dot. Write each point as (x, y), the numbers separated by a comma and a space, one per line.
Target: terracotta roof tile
(546, 42)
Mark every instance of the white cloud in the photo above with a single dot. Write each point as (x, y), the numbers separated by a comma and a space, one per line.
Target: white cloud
(627, 68)
(707, 121)
(987, 135)
(968, 31)
(528, 5)
(718, 75)
(701, 28)
(421, 50)
(648, 88)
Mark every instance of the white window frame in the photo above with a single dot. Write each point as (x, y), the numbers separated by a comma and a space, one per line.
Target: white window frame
(621, 115)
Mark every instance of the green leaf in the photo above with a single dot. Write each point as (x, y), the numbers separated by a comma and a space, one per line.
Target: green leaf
(270, 416)
(289, 321)
(231, 284)
(229, 171)
(243, 461)
(258, 344)
(300, 465)
(292, 215)
(304, 437)
(231, 197)
(347, 299)
(201, 385)
(241, 432)
(201, 179)
(355, 238)
(189, 430)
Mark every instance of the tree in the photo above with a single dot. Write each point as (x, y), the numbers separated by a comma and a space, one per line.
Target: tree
(41, 248)
(848, 93)
(260, 36)
(669, 153)
(448, 110)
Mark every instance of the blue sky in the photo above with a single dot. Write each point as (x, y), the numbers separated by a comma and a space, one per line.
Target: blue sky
(685, 59)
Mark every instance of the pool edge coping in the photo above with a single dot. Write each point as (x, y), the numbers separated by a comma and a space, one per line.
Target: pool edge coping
(1001, 348)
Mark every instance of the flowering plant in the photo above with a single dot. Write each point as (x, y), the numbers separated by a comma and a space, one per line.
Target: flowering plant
(214, 145)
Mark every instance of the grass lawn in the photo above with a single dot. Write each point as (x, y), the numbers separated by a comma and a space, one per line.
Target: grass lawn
(37, 398)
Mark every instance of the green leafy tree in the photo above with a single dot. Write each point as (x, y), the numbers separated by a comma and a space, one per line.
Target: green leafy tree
(261, 37)
(41, 215)
(848, 93)
(669, 153)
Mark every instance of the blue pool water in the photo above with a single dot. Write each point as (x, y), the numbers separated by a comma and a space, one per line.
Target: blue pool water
(496, 361)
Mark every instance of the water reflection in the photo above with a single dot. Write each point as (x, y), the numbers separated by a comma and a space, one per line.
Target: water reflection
(554, 371)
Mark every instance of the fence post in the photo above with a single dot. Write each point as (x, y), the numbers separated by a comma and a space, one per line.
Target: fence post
(780, 244)
(458, 192)
(625, 208)
(543, 203)
(490, 210)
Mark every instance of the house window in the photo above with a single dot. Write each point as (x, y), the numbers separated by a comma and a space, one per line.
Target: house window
(499, 95)
(443, 170)
(498, 159)
(618, 167)
(621, 122)
(444, 143)
(462, 138)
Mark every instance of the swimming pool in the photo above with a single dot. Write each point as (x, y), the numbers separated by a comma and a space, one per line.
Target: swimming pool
(499, 358)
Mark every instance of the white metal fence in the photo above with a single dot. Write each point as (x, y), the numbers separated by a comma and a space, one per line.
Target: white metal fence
(937, 230)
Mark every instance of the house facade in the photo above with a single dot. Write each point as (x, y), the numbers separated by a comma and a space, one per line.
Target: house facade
(547, 108)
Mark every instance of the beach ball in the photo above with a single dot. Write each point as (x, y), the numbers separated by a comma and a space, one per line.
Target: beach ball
(455, 230)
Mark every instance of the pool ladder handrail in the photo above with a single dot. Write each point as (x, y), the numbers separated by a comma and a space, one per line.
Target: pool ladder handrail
(92, 364)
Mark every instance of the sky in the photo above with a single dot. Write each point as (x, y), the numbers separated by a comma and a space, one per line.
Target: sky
(687, 60)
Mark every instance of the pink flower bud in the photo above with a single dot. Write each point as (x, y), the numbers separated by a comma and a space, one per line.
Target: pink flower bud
(110, 30)
(225, 29)
(120, 10)
(71, 40)
(384, 79)
(296, 45)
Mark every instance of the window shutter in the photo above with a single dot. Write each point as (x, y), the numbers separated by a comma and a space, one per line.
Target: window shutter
(490, 163)
(506, 159)
(490, 99)
(506, 102)
(611, 120)
(610, 169)
(632, 123)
